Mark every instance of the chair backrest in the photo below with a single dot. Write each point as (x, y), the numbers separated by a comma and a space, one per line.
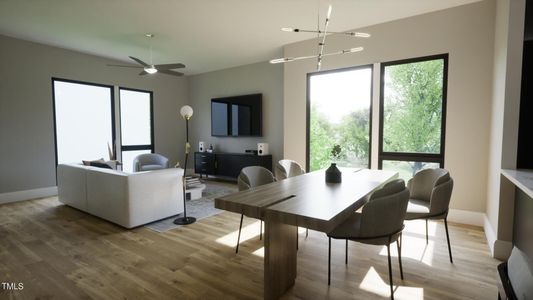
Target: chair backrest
(422, 184)
(434, 186)
(286, 168)
(149, 159)
(385, 211)
(254, 176)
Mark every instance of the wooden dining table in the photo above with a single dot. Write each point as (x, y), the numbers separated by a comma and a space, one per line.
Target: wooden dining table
(300, 201)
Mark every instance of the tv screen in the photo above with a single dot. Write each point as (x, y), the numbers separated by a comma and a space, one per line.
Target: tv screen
(236, 116)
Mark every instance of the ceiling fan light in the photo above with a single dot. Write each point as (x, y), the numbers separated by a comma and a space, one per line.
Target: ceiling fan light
(150, 70)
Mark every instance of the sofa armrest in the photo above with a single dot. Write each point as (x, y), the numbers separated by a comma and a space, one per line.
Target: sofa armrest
(154, 195)
(71, 185)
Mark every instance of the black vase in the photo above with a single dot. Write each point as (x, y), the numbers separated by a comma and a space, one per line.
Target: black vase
(333, 174)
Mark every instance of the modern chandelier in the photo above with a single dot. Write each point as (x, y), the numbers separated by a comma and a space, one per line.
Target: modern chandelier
(321, 37)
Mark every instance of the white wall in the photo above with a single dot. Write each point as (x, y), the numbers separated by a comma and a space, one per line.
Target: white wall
(255, 78)
(467, 34)
(508, 43)
(27, 152)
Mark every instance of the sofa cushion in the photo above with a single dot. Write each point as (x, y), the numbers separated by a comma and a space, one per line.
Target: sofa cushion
(151, 167)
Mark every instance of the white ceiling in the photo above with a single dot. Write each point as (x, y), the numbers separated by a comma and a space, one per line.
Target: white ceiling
(205, 35)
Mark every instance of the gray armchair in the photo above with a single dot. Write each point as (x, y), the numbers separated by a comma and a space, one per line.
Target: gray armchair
(286, 168)
(149, 162)
(379, 223)
(251, 177)
(430, 193)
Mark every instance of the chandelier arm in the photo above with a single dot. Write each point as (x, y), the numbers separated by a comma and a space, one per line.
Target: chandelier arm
(323, 43)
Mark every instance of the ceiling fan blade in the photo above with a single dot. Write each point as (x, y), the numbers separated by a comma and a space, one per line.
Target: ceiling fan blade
(169, 66)
(142, 63)
(168, 72)
(125, 66)
(143, 73)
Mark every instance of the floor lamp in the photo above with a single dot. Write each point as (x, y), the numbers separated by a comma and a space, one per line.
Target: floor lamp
(186, 113)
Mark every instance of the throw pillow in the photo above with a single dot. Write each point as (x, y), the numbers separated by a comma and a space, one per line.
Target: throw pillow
(88, 162)
(100, 165)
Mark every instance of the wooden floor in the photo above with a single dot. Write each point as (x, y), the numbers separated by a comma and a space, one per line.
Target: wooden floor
(60, 253)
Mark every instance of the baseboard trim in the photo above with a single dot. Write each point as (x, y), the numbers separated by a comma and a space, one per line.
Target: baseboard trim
(466, 217)
(28, 194)
(490, 234)
(498, 248)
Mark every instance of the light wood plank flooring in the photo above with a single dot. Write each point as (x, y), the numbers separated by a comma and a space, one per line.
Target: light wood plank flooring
(60, 253)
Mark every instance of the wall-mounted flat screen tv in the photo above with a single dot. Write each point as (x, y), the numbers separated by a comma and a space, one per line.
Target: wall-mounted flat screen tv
(237, 115)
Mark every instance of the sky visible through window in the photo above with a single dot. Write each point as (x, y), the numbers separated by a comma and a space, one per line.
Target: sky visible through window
(338, 94)
(83, 121)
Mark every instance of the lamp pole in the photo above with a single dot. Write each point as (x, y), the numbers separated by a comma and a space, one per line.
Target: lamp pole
(186, 112)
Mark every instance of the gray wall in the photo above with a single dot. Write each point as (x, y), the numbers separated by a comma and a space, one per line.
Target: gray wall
(255, 78)
(27, 152)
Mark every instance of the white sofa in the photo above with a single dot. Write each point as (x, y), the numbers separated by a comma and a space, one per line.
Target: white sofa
(128, 200)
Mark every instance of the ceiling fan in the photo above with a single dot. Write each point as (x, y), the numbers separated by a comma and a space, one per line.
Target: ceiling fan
(151, 68)
(321, 37)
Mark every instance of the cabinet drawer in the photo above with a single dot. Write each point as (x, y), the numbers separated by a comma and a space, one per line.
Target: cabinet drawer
(204, 164)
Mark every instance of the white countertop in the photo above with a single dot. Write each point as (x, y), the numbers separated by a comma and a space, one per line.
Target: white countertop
(523, 179)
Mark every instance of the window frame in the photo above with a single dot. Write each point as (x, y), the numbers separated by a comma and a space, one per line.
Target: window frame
(151, 146)
(308, 109)
(112, 95)
(409, 156)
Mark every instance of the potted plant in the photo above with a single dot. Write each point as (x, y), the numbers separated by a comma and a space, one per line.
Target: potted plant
(333, 174)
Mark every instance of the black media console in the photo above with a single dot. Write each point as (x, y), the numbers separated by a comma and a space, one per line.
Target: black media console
(228, 164)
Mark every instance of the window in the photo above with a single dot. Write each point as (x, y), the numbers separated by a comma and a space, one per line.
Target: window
(412, 114)
(83, 120)
(136, 125)
(338, 112)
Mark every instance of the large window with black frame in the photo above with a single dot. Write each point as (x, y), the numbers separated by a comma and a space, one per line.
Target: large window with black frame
(83, 120)
(339, 113)
(136, 125)
(413, 114)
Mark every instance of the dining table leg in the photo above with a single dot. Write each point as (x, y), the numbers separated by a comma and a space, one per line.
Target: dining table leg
(280, 257)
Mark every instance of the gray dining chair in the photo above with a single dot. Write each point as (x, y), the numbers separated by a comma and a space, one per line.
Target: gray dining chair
(149, 162)
(286, 168)
(251, 177)
(379, 223)
(430, 193)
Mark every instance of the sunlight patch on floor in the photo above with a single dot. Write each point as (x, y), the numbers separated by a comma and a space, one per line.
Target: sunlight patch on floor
(374, 283)
(259, 252)
(248, 232)
(414, 242)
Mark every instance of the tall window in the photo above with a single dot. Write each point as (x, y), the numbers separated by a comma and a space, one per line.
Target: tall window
(83, 114)
(412, 114)
(338, 113)
(136, 125)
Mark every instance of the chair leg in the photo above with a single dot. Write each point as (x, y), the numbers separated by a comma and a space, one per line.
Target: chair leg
(399, 246)
(390, 272)
(346, 253)
(239, 236)
(426, 231)
(260, 229)
(329, 260)
(448, 238)
(306, 232)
